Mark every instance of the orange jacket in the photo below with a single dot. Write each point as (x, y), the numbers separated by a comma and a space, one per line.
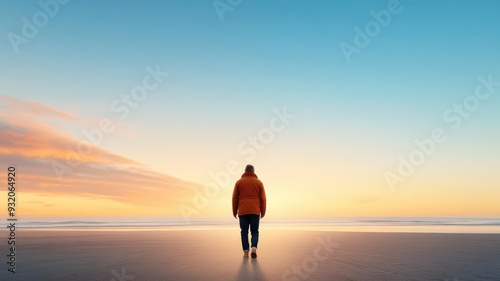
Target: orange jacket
(249, 196)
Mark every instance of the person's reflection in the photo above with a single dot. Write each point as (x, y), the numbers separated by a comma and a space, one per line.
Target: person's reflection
(257, 272)
(250, 270)
(243, 273)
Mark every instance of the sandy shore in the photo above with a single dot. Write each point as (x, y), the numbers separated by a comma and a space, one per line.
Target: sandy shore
(283, 255)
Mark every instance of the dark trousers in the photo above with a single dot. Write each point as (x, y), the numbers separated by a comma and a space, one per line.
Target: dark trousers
(251, 221)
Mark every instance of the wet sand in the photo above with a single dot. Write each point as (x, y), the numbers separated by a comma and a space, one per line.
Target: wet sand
(283, 255)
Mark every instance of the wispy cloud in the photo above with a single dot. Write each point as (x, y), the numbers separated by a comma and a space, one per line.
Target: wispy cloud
(31, 109)
(34, 146)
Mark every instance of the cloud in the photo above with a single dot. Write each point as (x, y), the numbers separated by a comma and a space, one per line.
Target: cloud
(31, 140)
(33, 109)
(38, 150)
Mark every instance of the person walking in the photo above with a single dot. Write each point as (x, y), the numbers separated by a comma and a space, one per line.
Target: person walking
(249, 203)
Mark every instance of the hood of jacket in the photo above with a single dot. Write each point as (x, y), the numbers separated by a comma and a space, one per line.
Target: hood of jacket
(249, 175)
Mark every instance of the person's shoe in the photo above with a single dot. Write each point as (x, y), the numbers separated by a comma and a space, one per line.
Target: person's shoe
(245, 255)
(254, 252)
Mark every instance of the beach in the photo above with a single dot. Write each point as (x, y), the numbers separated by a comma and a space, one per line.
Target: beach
(284, 254)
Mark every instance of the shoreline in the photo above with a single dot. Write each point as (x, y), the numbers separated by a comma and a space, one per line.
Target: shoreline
(342, 229)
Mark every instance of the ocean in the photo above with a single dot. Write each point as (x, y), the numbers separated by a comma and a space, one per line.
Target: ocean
(363, 224)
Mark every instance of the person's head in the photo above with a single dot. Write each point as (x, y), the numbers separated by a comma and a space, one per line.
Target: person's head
(249, 168)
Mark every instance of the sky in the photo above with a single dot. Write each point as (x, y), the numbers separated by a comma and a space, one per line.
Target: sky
(345, 108)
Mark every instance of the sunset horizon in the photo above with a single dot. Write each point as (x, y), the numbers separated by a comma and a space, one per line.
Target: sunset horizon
(53, 175)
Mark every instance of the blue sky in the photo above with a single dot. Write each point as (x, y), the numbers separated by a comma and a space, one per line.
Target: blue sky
(227, 76)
